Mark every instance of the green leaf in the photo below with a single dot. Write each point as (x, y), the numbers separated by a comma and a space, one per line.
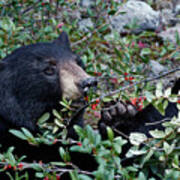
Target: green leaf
(90, 12)
(36, 166)
(149, 96)
(147, 157)
(177, 38)
(27, 133)
(142, 176)
(79, 131)
(76, 149)
(117, 148)
(137, 138)
(159, 91)
(134, 151)
(84, 177)
(74, 175)
(18, 133)
(165, 104)
(118, 53)
(103, 28)
(167, 92)
(56, 114)
(157, 134)
(58, 163)
(145, 51)
(39, 175)
(64, 154)
(110, 133)
(43, 118)
(168, 148)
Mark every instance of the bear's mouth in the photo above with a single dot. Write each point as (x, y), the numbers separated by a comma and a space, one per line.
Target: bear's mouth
(78, 103)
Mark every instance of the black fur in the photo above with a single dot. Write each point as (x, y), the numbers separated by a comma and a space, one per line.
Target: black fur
(27, 92)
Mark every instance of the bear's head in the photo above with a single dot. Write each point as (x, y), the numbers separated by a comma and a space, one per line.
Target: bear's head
(34, 79)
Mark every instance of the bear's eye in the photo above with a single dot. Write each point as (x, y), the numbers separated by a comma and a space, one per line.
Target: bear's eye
(49, 71)
(52, 63)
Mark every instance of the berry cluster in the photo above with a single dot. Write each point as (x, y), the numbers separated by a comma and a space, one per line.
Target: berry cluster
(126, 78)
(9, 166)
(138, 102)
(94, 106)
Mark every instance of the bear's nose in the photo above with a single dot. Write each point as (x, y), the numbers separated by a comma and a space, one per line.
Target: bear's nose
(87, 83)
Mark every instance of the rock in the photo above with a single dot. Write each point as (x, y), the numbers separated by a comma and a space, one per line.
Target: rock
(136, 11)
(84, 24)
(170, 33)
(176, 5)
(156, 67)
(167, 17)
(177, 9)
(168, 10)
(164, 4)
(87, 3)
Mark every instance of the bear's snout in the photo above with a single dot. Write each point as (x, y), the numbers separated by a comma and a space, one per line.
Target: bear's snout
(87, 83)
(75, 82)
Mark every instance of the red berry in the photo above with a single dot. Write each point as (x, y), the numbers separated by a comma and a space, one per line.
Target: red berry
(114, 80)
(141, 45)
(79, 143)
(93, 106)
(131, 78)
(20, 165)
(126, 78)
(57, 177)
(140, 107)
(97, 101)
(46, 178)
(55, 141)
(132, 44)
(178, 101)
(60, 25)
(40, 162)
(9, 166)
(99, 73)
(125, 74)
(134, 101)
(5, 167)
(97, 114)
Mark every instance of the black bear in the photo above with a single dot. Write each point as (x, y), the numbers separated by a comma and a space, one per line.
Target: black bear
(34, 79)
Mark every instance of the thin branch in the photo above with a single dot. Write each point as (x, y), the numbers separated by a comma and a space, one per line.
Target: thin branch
(30, 8)
(121, 133)
(157, 122)
(139, 82)
(52, 168)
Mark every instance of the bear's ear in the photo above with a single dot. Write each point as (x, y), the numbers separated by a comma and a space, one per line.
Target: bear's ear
(63, 40)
